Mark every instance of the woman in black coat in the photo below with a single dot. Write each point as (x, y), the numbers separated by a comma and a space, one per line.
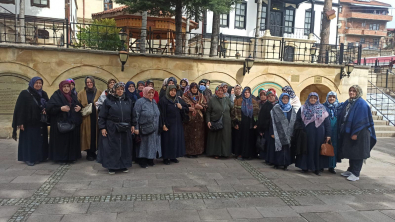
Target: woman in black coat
(172, 110)
(265, 128)
(33, 136)
(115, 150)
(64, 107)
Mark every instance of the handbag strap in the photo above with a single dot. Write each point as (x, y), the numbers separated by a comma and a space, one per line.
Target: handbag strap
(35, 100)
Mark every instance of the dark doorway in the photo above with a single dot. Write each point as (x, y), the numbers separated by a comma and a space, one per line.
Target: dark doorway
(289, 52)
(276, 23)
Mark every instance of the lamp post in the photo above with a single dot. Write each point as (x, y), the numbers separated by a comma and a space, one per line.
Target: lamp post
(313, 50)
(123, 54)
(348, 70)
(248, 63)
(122, 36)
(224, 47)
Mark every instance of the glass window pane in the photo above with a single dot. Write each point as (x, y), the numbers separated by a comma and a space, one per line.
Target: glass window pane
(44, 2)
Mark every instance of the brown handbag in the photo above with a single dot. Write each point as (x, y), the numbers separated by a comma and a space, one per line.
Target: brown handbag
(327, 149)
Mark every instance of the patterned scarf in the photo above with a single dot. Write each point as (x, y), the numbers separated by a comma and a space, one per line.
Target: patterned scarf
(193, 97)
(187, 82)
(114, 90)
(314, 112)
(273, 91)
(332, 108)
(246, 105)
(290, 91)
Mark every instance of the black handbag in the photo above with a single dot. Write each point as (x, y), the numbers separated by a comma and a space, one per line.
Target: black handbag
(260, 143)
(65, 127)
(123, 127)
(218, 125)
(147, 129)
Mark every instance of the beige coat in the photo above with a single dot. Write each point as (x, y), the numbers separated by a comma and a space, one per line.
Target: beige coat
(86, 120)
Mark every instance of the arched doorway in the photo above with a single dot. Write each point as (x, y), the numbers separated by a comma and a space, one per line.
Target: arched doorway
(10, 87)
(321, 90)
(266, 86)
(80, 83)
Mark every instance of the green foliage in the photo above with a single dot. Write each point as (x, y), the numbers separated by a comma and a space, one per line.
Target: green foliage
(220, 6)
(101, 35)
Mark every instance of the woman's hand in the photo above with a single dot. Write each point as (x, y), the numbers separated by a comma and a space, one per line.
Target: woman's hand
(255, 126)
(191, 109)
(273, 136)
(354, 137)
(198, 106)
(328, 139)
(165, 128)
(136, 132)
(237, 127)
(21, 127)
(132, 130)
(45, 113)
(261, 134)
(104, 132)
(65, 109)
(77, 108)
(209, 125)
(179, 106)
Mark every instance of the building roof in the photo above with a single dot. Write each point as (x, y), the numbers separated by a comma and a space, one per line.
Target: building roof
(366, 2)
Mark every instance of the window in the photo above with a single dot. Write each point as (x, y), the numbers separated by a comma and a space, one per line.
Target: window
(224, 20)
(107, 5)
(40, 3)
(363, 24)
(8, 1)
(376, 41)
(340, 9)
(240, 16)
(362, 41)
(289, 20)
(322, 17)
(42, 34)
(307, 21)
(263, 17)
(374, 26)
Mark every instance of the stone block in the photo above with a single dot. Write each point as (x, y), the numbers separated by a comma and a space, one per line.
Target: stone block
(173, 215)
(244, 213)
(284, 211)
(98, 217)
(71, 208)
(217, 214)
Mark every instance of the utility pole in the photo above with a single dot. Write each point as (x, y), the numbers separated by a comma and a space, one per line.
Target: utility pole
(258, 25)
(325, 30)
(143, 34)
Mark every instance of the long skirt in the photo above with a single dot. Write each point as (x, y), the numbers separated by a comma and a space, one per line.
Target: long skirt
(270, 148)
(283, 157)
(33, 144)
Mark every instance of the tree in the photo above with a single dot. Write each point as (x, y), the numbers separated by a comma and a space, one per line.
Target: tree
(325, 30)
(22, 21)
(143, 31)
(101, 34)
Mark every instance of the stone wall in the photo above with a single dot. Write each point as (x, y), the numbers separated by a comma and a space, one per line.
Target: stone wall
(20, 63)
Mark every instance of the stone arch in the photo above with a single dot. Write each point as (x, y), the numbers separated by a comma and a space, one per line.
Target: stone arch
(216, 76)
(22, 70)
(320, 89)
(267, 80)
(316, 86)
(85, 70)
(99, 82)
(11, 85)
(157, 74)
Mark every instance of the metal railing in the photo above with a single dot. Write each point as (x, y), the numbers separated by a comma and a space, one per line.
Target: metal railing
(289, 32)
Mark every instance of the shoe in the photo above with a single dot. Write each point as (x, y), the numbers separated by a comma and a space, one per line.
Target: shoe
(332, 170)
(240, 158)
(111, 172)
(90, 158)
(346, 174)
(174, 161)
(352, 177)
(305, 171)
(166, 162)
(29, 163)
(144, 166)
(317, 172)
(125, 170)
(285, 168)
(151, 163)
(194, 156)
(188, 156)
(275, 167)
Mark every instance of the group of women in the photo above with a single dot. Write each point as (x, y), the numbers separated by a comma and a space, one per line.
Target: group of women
(129, 122)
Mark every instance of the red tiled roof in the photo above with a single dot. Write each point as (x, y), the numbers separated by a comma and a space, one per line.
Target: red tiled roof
(372, 2)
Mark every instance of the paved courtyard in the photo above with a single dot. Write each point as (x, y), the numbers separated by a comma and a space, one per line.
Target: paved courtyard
(202, 189)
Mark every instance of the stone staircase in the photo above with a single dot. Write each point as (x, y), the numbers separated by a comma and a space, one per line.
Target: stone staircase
(380, 105)
(382, 127)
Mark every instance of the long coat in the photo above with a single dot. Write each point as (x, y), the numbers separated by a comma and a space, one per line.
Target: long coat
(173, 140)
(115, 150)
(33, 140)
(219, 143)
(64, 146)
(146, 111)
(87, 127)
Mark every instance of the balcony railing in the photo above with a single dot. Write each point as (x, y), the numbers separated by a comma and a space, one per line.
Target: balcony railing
(290, 33)
(369, 16)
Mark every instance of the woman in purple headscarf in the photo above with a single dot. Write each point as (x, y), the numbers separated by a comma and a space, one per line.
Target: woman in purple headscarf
(313, 119)
(33, 135)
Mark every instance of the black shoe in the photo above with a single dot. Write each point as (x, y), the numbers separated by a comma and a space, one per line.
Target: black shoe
(188, 156)
(90, 158)
(195, 156)
(332, 170)
(174, 161)
(322, 170)
(305, 171)
(111, 172)
(143, 165)
(317, 172)
(151, 163)
(29, 163)
(285, 168)
(275, 167)
(166, 162)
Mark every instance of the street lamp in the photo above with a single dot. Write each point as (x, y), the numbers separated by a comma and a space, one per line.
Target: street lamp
(349, 68)
(313, 50)
(224, 46)
(122, 36)
(248, 63)
(123, 57)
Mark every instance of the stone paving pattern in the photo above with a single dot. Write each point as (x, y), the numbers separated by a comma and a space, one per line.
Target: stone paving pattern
(202, 189)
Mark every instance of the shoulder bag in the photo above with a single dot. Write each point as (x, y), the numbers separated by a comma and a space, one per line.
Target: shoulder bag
(87, 110)
(43, 117)
(327, 149)
(64, 126)
(218, 125)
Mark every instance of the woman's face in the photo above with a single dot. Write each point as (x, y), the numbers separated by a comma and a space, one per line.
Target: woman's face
(271, 98)
(207, 84)
(237, 90)
(247, 94)
(151, 84)
(233, 91)
(313, 99)
(89, 83)
(131, 88)
(183, 83)
(225, 88)
(352, 93)
(111, 84)
(285, 99)
(173, 92)
(263, 97)
(220, 93)
(38, 85)
(170, 83)
(119, 91)
(140, 86)
(66, 88)
(72, 86)
(151, 94)
(331, 99)
(194, 90)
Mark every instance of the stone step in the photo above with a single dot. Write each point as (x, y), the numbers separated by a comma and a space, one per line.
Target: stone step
(384, 128)
(385, 133)
(375, 117)
(380, 122)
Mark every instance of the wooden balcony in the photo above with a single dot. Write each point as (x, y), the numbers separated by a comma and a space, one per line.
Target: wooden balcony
(369, 16)
(368, 32)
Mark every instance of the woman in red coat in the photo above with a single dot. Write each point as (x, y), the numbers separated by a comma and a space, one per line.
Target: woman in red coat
(150, 83)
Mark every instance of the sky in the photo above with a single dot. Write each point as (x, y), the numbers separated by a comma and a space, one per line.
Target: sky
(392, 12)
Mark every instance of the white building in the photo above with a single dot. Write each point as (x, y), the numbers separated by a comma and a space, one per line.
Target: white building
(289, 19)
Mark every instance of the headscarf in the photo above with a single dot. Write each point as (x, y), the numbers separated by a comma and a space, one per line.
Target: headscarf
(187, 88)
(246, 106)
(37, 92)
(203, 81)
(72, 82)
(273, 91)
(108, 83)
(290, 91)
(241, 90)
(314, 112)
(230, 90)
(285, 107)
(202, 88)
(359, 93)
(260, 93)
(194, 97)
(164, 82)
(93, 81)
(172, 79)
(146, 90)
(66, 95)
(148, 82)
(168, 89)
(116, 86)
(186, 80)
(275, 100)
(332, 108)
(216, 90)
(131, 95)
(138, 83)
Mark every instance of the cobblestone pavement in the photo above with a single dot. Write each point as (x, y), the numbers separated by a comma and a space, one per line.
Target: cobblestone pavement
(202, 189)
